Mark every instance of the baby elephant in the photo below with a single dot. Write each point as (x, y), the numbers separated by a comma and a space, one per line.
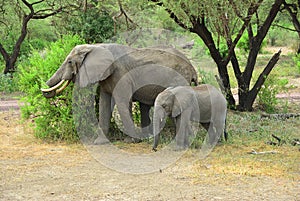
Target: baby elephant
(204, 104)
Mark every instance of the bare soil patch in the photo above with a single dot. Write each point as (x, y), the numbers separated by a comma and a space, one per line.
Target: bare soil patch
(33, 170)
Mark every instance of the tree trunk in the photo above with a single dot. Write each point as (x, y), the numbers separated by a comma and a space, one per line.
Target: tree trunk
(247, 98)
(223, 72)
(12, 59)
(295, 20)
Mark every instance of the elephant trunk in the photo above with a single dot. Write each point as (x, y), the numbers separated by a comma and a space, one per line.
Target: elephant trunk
(158, 119)
(56, 78)
(56, 83)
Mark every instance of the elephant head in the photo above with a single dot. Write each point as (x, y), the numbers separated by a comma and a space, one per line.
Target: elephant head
(85, 64)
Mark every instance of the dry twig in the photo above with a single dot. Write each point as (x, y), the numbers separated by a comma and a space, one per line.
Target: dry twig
(262, 152)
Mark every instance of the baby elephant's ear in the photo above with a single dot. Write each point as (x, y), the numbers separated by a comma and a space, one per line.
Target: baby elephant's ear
(96, 66)
(176, 109)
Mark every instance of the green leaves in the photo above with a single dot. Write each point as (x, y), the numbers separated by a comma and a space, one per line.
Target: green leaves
(92, 25)
(52, 117)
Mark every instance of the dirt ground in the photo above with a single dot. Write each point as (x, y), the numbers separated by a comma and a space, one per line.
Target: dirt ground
(35, 170)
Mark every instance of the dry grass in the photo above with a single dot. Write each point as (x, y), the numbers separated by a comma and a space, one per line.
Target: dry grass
(247, 133)
(17, 141)
(229, 161)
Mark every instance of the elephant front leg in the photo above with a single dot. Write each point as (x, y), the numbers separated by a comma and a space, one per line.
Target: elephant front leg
(125, 112)
(105, 112)
(180, 133)
(183, 129)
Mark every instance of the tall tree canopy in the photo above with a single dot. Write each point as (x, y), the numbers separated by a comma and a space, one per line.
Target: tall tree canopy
(226, 21)
(24, 11)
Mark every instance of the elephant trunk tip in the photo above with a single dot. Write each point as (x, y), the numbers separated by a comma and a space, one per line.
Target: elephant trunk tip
(154, 149)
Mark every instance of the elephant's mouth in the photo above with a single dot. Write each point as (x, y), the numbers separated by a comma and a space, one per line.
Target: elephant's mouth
(51, 92)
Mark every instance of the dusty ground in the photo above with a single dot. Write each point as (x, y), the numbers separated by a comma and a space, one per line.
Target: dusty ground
(35, 170)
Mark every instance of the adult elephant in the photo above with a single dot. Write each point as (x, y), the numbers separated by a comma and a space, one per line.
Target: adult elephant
(124, 74)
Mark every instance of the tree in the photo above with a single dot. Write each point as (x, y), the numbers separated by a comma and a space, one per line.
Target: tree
(27, 11)
(226, 21)
(292, 9)
(92, 24)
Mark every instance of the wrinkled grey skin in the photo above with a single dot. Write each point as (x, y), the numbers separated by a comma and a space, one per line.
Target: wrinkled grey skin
(204, 104)
(110, 63)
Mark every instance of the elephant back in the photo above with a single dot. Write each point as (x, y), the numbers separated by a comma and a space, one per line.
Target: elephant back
(167, 65)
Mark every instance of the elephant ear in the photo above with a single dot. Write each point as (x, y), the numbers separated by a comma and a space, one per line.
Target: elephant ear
(176, 110)
(96, 66)
(177, 102)
(183, 98)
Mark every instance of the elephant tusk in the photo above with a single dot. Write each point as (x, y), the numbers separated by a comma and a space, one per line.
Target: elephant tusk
(63, 87)
(54, 87)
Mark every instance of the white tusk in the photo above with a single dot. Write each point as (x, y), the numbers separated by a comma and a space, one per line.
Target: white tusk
(63, 87)
(54, 87)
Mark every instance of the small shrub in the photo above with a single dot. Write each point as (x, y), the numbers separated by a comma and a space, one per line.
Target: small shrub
(8, 83)
(297, 61)
(52, 117)
(267, 99)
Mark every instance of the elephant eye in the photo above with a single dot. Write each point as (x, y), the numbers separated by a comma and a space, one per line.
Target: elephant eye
(164, 105)
(69, 62)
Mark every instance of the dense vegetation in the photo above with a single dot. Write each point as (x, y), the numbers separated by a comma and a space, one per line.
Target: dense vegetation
(36, 37)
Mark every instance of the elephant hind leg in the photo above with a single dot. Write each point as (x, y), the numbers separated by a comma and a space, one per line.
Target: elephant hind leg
(145, 119)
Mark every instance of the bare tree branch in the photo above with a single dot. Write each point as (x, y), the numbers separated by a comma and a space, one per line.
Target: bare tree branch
(286, 28)
(127, 18)
(262, 77)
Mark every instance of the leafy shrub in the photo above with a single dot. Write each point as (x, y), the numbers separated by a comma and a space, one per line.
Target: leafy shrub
(52, 117)
(244, 44)
(267, 99)
(8, 83)
(297, 61)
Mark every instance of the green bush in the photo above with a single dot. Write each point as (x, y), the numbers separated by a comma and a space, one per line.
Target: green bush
(297, 61)
(8, 83)
(93, 26)
(52, 117)
(267, 99)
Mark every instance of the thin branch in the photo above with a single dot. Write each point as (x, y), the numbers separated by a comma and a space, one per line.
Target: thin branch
(172, 15)
(2, 22)
(280, 116)
(262, 77)
(47, 15)
(263, 30)
(123, 12)
(283, 27)
(252, 9)
(262, 152)
(37, 2)
(4, 52)
(237, 12)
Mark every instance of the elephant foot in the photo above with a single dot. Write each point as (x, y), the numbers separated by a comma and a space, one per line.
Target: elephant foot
(129, 139)
(101, 140)
(154, 149)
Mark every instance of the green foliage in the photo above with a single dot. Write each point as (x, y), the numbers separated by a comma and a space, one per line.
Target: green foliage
(52, 117)
(267, 99)
(297, 61)
(206, 77)
(8, 83)
(244, 44)
(93, 26)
